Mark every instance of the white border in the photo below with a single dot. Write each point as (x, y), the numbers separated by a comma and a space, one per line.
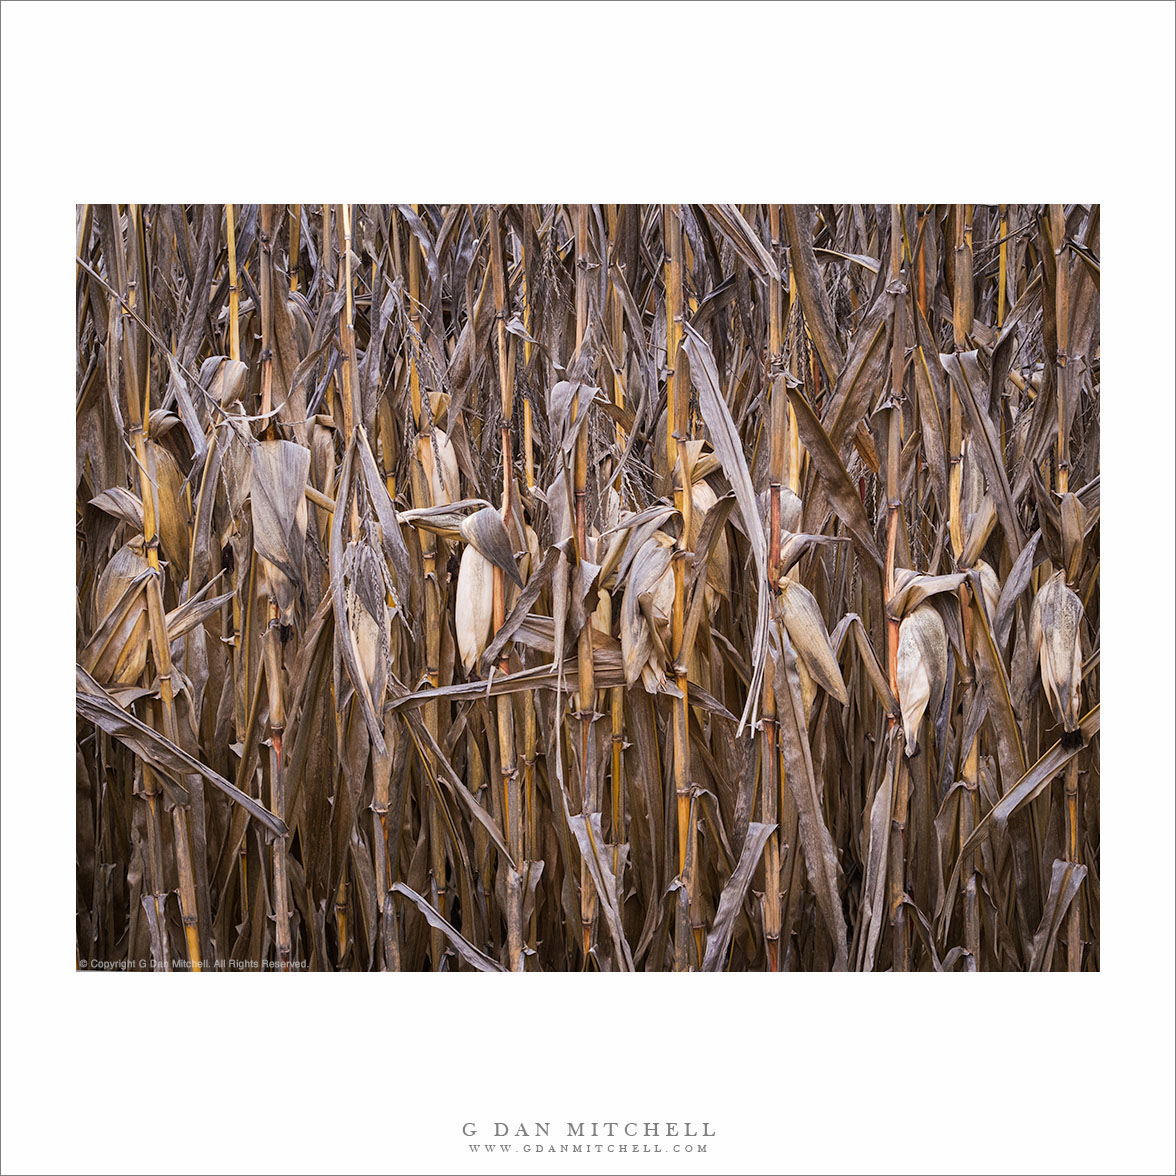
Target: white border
(587, 101)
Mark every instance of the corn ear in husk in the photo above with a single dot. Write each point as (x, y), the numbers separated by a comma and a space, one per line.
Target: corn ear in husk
(369, 620)
(1054, 623)
(649, 579)
(802, 618)
(278, 494)
(440, 460)
(225, 379)
(117, 652)
(474, 608)
(174, 519)
(921, 670)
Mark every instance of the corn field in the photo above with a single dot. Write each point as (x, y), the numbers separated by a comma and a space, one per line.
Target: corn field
(588, 587)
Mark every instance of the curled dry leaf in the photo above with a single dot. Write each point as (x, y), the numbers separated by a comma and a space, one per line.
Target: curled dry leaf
(484, 529)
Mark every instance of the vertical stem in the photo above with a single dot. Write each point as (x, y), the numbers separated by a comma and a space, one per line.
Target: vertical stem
(616, 333)
(272, 649)
(586, 698)
(506, 728)
(1057, 224)
(969, 816)
(341, 924)
(528, 436)
(921, 286)
(769, 754)
(138, 412)
(295, 243)
(352, 409)
(276, 688)
(677, 431)
(897, 874)
(1073, 927)
(1002, 267)
(234, 294)
(963, 303)
(1057, 228)
(423, 484)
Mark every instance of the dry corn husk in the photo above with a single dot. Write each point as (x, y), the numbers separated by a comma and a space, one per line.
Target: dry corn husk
(912, 588)
(977, 528)
(439, 406)
(922, 669)
(120, 503)
(718, 568)
(533, 558)
(661, 597)
(117, 654)
(791, 514)
(1054, 639)
(485, 530)
(657, 604)
(125, 566)
(601, 618)
(441, 467)
(224, 378)
(174, 518)
(791, 510)
(990, 586)
(1074, 520)
(474, 608)
(278, 496)
(369, 620)
(802, 618)
(700, 461)
(649, 593)
(973, 484)
(322, 469)
(301, 320)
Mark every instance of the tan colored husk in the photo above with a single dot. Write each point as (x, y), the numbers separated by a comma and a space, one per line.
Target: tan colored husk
(602, 615)
(718, 568)
(649, 592)
(1054, 624)
(1074, 517)
(278, 496)
(174, 516)
(120, 656)
(126, 565)
(474, 608)
(922, 669)
(801, 615)
(808, 688)
(990, 586)
(443, 480)
(368, 616)
(725, 811)
(228, 381)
